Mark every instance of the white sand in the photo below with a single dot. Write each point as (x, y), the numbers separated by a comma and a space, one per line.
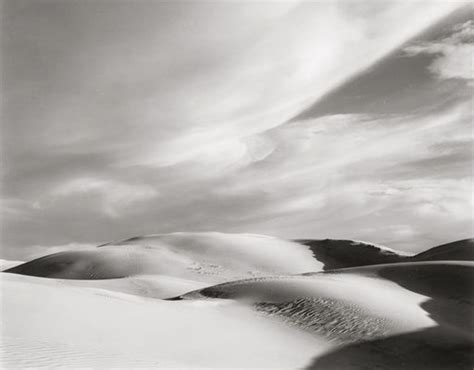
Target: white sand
(374, 296)
(202, 257)
(284, 321)
(46, 323)
(49, 322)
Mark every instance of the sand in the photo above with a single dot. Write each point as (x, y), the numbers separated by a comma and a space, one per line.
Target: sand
(177, 301)
(461, 250)
(208, 257)
(6, 264)
(46, 323)
(349, 253)
(336, 254)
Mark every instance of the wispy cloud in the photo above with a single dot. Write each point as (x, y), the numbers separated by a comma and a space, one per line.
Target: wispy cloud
(280, 73)
(454, 53)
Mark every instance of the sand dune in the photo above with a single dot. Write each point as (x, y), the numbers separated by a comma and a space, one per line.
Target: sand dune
(380, 301)
(348, 253)
(335, 254)
(216, 257)
(136, 270)
(50, 323)
(164, 265)
(461, 250)
(339, 319)
(448, 287)
(266, 297)
(425, 305)
(208, 257)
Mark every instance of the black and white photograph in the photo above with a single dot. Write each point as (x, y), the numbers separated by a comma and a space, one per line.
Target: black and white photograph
(237, 184)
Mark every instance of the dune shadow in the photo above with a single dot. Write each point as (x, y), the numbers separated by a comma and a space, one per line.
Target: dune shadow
(448, 345)
(334, 254)
(433, 348)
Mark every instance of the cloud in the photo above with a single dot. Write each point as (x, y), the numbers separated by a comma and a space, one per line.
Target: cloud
(168, 116)
(283, 70)
(114, 196)
(342, 175)
(401, 180)
(156, 83)
(454, 53)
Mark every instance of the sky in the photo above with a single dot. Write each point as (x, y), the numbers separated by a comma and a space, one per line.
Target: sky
(299, 119)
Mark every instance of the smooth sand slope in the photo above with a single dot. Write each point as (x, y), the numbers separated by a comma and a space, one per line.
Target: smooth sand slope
(202, 256)
(47, 323)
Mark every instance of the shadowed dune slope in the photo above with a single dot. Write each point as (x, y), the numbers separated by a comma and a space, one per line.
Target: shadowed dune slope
(348, 253)
(461, 250)
(448, 288)
(428, 349)
(449, 284)
(337, 254)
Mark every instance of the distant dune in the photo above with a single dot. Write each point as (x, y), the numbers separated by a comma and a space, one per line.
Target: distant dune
(336, 254)
(215, 257)
(349, 253)
(201, 256)
(313, 304)
(170, 264)
(462, 250)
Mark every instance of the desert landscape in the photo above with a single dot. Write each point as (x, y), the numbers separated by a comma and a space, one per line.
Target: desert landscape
(238, 301)
(245, 184)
